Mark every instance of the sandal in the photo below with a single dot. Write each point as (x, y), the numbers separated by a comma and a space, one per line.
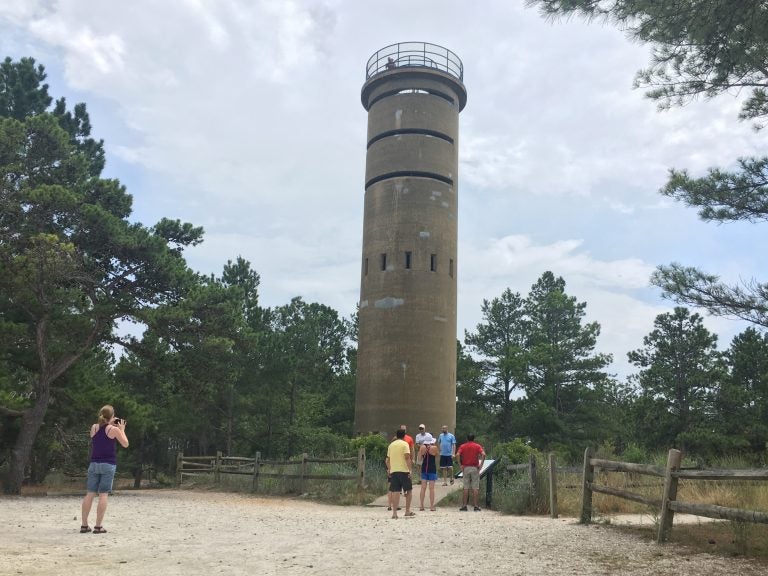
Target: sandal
(84, 529)
(98, 530)
(410, 514)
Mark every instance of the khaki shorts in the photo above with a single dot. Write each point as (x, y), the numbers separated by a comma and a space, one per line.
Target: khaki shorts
(471, 475)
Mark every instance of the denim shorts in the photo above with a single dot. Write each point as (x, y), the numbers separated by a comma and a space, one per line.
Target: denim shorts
(100, 476)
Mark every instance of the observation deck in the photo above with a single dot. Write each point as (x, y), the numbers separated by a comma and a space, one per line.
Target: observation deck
(418, 60)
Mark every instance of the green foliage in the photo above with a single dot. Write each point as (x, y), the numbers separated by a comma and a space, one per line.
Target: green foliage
(324, 443)
(678, 376)
(689, 285)
(635, 453)
(23, 93)
(70, 262)
(511, 495)
(701, 48)
(501, 343)
(515, 451)
(536, 369)
(375, 446)
(211, 371)
(472, 407)
(741, 404)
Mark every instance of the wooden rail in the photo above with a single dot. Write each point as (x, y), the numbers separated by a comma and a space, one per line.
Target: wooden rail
(668, 503)
(190, 466)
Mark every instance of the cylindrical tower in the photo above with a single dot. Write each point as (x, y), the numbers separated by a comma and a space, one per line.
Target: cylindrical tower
(406, 368)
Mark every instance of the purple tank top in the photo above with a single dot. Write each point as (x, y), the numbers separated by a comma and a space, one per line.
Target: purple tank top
(103, 447)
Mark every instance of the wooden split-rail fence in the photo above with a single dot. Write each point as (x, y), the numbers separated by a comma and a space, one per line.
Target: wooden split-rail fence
(300, 469)
(668, 503)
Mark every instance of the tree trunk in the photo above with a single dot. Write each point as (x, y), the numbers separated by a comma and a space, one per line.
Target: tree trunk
(138, 470)
(292, 418)
(31, 422)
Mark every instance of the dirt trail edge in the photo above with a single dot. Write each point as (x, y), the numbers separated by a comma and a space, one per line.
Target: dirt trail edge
(170, 532)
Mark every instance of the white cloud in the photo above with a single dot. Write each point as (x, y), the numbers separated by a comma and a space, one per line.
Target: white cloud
(244, 117)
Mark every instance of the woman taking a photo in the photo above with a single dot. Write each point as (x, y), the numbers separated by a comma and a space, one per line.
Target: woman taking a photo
(428, 454)
(101, 471)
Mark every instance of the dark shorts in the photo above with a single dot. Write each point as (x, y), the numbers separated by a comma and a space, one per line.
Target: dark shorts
(400, 481)
(446, 461)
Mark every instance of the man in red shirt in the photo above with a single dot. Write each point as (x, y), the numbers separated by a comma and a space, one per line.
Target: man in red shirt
(471, 458)
(409, 440)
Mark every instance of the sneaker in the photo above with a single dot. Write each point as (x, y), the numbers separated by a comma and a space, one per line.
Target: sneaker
(477, 508)
(463, 509)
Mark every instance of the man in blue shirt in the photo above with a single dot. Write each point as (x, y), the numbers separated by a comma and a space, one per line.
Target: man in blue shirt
(447, 443)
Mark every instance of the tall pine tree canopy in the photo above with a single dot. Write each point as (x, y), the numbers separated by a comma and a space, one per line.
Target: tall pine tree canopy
(71, 263)
(701, 49)
(537, 369)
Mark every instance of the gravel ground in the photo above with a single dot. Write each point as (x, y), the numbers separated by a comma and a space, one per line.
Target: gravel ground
(169, 532)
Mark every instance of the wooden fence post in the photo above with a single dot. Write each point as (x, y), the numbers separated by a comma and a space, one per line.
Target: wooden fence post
(179, 465)
(586, 490)
(552, 486)
(670, 494)
(304, 457)
(532, 477)
(256, 467)
(217, 469)
(489, 488)
(360, 469)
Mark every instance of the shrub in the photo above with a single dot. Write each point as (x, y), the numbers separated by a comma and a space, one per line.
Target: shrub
(515, 452)
(375, 446)
(635, 454)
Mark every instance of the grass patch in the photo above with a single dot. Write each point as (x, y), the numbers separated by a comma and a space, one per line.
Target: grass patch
(720, 537)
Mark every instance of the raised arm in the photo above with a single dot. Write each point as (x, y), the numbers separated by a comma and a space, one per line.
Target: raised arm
(117, 431)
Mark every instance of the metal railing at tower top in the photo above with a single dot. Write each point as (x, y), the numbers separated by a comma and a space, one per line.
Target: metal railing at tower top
(414, 55)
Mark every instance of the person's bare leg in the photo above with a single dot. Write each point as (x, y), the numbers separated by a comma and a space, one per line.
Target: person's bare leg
(86, 507)
(431, 494)
(101, 508)
(395, 503)
(475, 494)
(408, 498)
(465, 497)
(421, 495)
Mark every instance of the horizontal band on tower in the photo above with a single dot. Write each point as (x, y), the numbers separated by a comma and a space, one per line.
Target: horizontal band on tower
(430, 91)
(419, 131)
(407, 174)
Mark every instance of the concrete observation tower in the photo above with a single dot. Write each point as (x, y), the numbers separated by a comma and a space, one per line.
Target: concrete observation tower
(406, 371)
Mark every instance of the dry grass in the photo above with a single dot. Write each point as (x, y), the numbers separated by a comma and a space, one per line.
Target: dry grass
(725, 538)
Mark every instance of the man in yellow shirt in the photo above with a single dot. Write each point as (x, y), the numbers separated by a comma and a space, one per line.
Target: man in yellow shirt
(399, 464)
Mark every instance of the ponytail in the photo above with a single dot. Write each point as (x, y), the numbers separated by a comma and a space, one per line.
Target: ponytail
(106, 414)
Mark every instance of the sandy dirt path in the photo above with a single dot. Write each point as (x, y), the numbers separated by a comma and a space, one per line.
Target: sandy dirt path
(169, 532)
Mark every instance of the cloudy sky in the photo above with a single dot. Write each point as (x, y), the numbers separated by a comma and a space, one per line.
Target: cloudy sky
(244, 117)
